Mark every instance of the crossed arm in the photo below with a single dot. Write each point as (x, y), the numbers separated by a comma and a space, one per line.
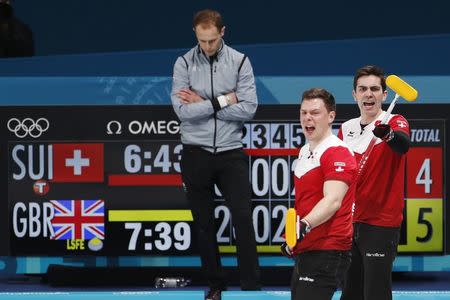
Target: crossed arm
(240, 105)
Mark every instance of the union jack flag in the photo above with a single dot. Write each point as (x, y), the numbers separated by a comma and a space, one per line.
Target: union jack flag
(78, 219)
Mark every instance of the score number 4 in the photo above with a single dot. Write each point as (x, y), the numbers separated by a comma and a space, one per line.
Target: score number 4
(424, 175)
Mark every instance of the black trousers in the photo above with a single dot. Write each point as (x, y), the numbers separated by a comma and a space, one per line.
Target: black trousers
(317, 274)
(373, 253)
(230, 171)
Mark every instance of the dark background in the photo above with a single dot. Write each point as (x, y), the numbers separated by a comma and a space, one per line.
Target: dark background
(71, 26)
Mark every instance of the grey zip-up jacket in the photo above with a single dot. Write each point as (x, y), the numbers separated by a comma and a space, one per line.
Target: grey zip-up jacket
(204, 123)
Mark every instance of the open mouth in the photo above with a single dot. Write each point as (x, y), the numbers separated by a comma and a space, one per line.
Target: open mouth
(309, 129)
(368, 104)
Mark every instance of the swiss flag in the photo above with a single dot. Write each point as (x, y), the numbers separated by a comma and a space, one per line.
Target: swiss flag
(78, 163)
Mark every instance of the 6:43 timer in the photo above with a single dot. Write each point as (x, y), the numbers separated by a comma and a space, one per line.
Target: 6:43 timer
(165, 159)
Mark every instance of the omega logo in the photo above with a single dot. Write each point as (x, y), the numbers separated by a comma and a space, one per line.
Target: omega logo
(146, 127)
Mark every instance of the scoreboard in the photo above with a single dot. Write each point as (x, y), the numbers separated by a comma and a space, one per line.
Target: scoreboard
(105, 180)
(424, 225)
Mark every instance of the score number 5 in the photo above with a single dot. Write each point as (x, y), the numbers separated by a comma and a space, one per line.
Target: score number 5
(422, 220)
(424, 226)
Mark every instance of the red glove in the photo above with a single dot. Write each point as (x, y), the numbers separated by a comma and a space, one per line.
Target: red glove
(383, 131)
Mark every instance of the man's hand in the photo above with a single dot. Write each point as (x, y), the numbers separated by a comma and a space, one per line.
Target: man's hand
(286, 250)
(303, 230)
(383, 131)
(187, 96)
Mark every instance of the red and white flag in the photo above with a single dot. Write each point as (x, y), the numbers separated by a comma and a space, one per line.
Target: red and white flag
(78, 163)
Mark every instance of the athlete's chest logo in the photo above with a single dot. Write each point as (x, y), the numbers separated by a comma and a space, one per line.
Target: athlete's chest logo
(339, 166)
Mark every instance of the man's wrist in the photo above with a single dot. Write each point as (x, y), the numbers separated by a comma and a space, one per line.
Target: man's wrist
(224, 100)
(388, 137)
(308, 226)
(228, 99)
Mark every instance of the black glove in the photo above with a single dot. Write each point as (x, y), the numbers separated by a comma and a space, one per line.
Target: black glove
(286, 251)
(304, 229)
(383, 131)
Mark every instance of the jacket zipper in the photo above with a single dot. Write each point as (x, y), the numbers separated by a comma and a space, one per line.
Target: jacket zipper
(211, 62)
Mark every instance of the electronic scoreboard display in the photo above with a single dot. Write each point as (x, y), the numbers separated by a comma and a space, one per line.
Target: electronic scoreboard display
(105, 180)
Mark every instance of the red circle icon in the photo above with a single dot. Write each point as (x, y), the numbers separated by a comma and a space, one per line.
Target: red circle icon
(41, 187)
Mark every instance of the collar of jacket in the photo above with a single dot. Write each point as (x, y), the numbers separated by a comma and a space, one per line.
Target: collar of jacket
(216, 56)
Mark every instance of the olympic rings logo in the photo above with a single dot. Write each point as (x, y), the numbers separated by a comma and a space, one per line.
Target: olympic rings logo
(28, 127)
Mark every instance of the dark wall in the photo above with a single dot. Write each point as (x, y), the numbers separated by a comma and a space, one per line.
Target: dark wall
(71, 26)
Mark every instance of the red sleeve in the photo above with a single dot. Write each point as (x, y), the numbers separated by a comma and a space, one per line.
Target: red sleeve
(338, 163)
(399, 123)
(340, 136)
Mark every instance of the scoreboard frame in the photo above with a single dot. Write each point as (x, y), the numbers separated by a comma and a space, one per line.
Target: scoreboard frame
(134, 126)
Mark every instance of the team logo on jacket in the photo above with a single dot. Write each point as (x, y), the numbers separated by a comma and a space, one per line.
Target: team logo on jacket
(339, 166)
(401, 123)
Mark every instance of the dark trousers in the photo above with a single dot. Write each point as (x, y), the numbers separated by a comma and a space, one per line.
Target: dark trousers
(373, 252)
(230, 171)
(317, 274)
